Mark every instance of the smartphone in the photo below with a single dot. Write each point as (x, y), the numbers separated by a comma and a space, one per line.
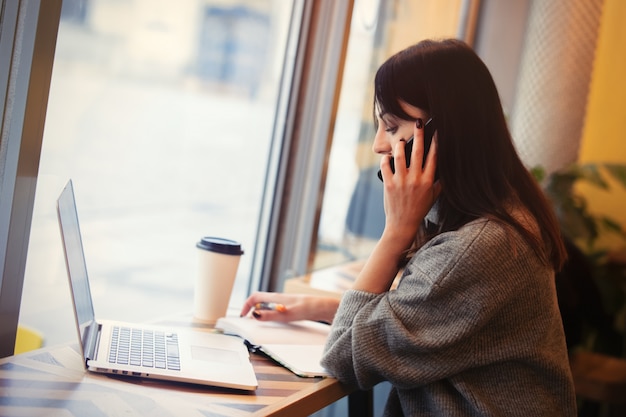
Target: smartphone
(429, 132)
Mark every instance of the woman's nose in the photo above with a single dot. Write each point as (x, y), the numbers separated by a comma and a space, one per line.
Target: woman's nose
(381, 146)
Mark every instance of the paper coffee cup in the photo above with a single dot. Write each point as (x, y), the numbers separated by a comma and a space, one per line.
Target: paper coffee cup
(218, 260)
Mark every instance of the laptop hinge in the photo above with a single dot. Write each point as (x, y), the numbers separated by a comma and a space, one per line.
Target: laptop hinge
(92, 339)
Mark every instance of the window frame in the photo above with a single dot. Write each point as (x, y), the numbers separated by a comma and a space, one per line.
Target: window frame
(28, 32)
(312, 108)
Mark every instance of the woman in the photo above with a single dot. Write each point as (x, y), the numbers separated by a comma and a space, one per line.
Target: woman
(473, 327)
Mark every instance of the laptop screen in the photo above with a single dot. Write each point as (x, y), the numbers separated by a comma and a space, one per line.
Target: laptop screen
(75, 263)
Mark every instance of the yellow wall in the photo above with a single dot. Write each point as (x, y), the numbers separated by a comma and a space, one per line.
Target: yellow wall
(604, 134)
(415, 21)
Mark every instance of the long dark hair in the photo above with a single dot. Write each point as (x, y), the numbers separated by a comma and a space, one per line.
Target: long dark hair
(479, 169)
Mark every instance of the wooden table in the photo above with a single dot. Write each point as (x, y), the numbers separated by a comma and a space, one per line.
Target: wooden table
(52, 382)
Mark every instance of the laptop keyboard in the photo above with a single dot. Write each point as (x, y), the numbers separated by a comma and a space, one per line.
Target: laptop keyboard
(146, 348)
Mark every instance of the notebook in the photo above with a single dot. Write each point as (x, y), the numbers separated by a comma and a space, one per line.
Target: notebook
(173, 354)
(297, 345)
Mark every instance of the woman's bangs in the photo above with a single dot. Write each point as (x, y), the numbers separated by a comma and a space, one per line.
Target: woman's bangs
(393, 85)
(386, 95)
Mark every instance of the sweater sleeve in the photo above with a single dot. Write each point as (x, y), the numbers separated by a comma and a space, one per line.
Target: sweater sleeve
(465, 300)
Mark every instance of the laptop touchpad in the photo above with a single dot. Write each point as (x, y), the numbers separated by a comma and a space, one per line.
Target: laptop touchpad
(208, 354)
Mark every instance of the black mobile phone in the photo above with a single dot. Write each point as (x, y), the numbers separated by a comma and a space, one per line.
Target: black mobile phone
(429, 132)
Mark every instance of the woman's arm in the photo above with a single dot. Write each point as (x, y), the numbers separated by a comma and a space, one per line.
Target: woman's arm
(297, 307)
(409, 195)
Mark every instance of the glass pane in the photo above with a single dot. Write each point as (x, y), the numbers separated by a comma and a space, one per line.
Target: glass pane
(352, 215)
(162, 114)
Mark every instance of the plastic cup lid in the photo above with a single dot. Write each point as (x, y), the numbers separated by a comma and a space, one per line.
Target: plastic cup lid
(220, 245)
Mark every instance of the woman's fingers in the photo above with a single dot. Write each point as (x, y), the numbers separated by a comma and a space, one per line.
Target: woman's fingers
(417, 155)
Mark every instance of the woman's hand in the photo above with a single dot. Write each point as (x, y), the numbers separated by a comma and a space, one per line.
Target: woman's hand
(297, 307)
(411, 192)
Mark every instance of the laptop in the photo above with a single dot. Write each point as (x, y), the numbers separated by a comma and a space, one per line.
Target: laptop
(140, 350)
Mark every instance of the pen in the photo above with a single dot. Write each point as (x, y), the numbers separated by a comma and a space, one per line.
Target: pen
(270, 306)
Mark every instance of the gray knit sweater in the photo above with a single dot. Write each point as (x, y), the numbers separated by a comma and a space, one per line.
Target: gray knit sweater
(473, 329)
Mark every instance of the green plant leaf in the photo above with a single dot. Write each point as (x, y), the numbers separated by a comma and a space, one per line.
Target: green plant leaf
(591, 174)
(618, 172)
(577, 223)
(612, 226)
(539, 173)
(597, 256)
(571, 207)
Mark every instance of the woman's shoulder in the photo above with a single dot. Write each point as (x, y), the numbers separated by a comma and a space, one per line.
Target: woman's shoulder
(482, 248)
(480, 240)
(483, 229)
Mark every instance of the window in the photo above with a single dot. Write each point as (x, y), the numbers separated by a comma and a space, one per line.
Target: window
(163, 115)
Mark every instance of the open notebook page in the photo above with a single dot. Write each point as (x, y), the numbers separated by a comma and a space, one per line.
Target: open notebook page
(298, 345)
